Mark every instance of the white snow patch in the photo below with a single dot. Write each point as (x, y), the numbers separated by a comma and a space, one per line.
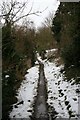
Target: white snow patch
(60, 91)
(26, 93)
(6, 76)
(51, 50)
(39, 58)
(36, 63)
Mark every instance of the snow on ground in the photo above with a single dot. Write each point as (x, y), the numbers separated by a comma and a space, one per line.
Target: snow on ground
(61, 94)
(25, 94)
(39, 58)
(6, 76)
(51, 50)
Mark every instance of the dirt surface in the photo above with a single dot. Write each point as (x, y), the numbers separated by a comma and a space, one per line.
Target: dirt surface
(40, 108)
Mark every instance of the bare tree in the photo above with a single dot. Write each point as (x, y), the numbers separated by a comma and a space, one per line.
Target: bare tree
(48, 20)
(13, 11)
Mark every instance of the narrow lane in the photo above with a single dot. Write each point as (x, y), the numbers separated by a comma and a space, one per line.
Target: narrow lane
(40, 108)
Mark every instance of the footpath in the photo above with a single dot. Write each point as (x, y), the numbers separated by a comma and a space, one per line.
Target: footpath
(41, 108)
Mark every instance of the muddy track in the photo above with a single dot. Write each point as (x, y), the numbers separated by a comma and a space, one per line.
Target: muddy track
(41, 108)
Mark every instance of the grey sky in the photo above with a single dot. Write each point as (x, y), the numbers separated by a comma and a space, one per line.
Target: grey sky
(69, 0)
(40, 5)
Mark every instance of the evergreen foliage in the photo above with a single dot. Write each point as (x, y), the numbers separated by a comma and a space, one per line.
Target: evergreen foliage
(66, 29)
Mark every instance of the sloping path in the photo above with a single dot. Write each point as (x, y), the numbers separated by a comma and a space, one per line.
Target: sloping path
(40, 108)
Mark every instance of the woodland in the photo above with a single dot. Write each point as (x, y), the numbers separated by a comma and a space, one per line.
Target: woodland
(20, 43)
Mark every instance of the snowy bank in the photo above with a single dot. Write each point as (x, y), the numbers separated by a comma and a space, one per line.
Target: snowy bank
(25, 94)
(61, 94)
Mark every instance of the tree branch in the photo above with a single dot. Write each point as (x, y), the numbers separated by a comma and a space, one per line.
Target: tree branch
(12, 12)
(26, 16)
